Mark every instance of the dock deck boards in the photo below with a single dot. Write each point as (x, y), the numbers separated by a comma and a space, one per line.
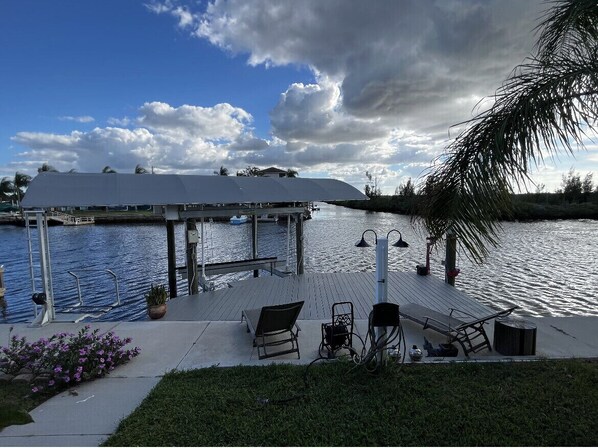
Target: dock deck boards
(320, 291)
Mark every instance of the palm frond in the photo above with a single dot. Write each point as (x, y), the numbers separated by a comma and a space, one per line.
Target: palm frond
(568, 24)
(546, 107)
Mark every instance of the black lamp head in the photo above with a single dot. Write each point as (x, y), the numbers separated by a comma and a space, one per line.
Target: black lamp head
(400, 243)
(362, 243)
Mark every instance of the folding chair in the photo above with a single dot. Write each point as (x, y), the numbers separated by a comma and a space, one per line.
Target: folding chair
(274, 326)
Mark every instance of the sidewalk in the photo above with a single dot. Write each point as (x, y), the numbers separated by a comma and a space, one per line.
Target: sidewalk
(88, 414)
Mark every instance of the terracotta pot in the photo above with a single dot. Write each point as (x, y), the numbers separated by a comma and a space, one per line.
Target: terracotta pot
(156, 311)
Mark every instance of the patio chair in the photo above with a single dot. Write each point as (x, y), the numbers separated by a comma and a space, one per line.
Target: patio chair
(273, 326)
(458, 326)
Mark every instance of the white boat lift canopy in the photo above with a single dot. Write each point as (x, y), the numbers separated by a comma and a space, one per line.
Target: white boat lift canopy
(182, 197)
(114, 189)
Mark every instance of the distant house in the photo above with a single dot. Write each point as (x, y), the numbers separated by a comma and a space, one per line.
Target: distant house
(272, 172)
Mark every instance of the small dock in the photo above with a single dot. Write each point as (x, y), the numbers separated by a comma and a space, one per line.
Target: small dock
(69, 220)
(320, 291)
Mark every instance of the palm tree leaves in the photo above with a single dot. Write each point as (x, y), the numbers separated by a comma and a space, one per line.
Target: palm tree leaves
(6, 188)
(47, 168)
(14, 188)
(567, 25)
(546, 107)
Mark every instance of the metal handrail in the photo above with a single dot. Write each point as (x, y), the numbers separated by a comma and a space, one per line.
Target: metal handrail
(109, 271)
(78, 287)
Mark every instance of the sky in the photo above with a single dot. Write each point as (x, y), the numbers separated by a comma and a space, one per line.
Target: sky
(329, 88)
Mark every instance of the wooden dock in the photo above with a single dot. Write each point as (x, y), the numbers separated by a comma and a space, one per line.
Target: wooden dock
(320, 291)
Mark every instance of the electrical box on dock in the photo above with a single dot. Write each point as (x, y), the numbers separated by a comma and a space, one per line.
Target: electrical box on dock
(193, 236)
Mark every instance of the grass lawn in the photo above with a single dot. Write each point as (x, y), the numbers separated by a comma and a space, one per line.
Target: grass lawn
(537, 403)
(16, 400)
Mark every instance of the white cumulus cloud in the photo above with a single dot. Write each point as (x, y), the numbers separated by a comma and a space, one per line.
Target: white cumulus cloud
(173, 139)
(81, 119)
(383, 69)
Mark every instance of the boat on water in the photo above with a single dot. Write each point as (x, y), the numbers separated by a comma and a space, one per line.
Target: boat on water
(239, 219)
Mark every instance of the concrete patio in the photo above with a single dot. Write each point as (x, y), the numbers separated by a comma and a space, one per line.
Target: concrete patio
(88, 414)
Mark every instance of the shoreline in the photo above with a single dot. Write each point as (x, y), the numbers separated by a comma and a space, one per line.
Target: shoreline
(524, 210)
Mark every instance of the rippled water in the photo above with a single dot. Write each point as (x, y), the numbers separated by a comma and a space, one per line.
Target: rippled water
(548, 268)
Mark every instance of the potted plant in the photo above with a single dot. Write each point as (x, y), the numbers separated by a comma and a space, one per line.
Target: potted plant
(156, 301)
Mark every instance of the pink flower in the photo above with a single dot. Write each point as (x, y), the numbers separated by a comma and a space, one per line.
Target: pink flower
(67, 379)
(34, 389)
(51, 383)
(57, 369)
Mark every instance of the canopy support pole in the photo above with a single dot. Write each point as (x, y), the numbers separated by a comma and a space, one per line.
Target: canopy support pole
(254, 250)
(299, 241)
(286, 268)
(47, 314)
(171, 248)
(204, 286)
(192, 240)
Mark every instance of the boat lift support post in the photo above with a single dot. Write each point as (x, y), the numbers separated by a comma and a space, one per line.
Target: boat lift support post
(299, 241)
(171, 248)
(254, 251)
(47, 314)
(192, 239)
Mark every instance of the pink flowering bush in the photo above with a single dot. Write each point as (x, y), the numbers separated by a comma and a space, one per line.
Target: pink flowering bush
(66, 358)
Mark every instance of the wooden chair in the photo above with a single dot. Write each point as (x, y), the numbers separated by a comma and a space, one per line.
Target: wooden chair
(273, 326)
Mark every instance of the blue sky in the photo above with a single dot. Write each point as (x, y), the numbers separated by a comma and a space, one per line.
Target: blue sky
(328, 88)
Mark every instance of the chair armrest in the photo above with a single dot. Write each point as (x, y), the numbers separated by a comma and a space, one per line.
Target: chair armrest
(435, 320)
(465, 313)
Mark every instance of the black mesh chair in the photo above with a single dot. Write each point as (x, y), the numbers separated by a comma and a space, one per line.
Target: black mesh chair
(274, 326)
(338, 333)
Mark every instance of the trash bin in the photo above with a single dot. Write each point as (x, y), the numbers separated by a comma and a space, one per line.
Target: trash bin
(514, 336)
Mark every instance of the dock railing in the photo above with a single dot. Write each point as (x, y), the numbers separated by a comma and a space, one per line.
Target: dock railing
(78, 282)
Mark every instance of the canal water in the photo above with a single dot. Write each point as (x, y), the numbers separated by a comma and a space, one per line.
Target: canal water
(547, 268)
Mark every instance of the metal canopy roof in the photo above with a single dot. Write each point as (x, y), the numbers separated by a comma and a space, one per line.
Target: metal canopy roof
(113, 189)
